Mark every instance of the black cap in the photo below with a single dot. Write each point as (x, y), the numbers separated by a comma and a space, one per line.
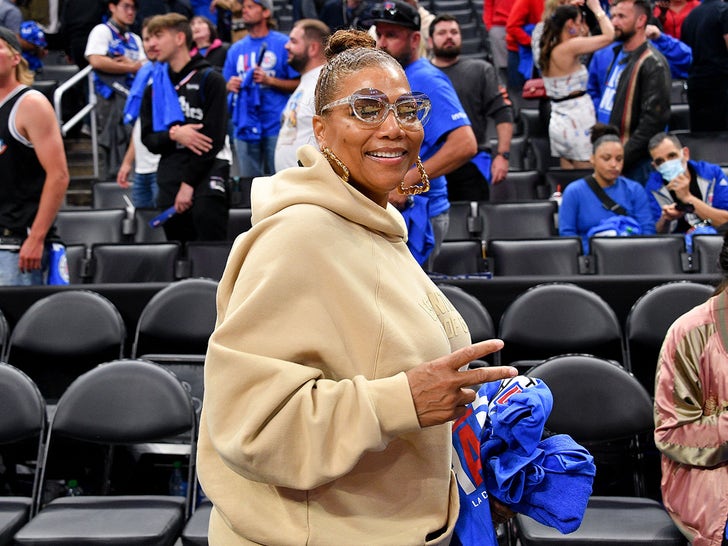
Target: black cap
(396, 13)
(11, 38)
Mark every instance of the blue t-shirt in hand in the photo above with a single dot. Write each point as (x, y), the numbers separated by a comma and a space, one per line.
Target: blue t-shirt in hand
(446, 115)
(244, 56)
(581, 209)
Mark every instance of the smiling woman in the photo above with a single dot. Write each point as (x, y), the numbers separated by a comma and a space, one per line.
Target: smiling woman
(340, 431)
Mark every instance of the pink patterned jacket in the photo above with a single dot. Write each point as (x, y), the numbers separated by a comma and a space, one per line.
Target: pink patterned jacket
(691, 421)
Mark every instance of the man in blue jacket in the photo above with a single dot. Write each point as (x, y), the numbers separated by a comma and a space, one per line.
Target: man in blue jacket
(685, 193)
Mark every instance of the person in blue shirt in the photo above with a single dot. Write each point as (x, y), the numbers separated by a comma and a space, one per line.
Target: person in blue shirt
(685, 193)
(259, 82)
(581, 209)
(449, 139)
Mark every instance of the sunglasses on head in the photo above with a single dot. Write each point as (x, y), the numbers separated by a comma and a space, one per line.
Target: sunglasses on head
(372, 107)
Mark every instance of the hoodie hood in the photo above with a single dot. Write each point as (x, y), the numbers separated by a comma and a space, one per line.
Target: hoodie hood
(316, 183)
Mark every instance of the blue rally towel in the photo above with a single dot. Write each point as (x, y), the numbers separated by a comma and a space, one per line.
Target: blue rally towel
(525, 55)
(420, 236)
(245, 109)
(134, 100)
(166, 110)
(498, 451)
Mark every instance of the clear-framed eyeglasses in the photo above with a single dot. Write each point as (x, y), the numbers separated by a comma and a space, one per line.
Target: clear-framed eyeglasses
(372, 106)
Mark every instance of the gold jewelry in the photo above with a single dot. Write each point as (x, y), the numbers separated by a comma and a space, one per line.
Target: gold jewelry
(416, 189)
(332, 159)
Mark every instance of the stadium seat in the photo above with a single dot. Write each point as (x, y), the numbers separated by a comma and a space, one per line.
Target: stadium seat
(708, 147)
(518, 220)
(109, 195)
(134, 262)
(604, 408)
(459, 258)
(124, 402)
(640, 255)
(91, 226)
(555, 178)
(518, 186)
(465, 221)
(238, 222)
(554, 256)
(143, 232)
(207, 259)
(706, 250)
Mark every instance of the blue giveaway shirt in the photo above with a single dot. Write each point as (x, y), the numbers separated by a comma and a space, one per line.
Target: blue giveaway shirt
(243, 56)
(446, 115)
(581, 209)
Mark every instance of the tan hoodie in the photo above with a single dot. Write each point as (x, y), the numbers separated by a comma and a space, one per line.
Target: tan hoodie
(309, 433)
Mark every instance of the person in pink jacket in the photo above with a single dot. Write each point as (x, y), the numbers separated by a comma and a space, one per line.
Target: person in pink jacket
(691, 418)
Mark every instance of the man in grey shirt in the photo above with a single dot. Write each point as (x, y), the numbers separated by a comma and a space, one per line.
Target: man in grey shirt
(476, 83)
(10, 16)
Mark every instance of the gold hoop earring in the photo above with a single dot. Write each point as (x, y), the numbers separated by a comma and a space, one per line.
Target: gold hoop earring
(417, 189)
(333, 160)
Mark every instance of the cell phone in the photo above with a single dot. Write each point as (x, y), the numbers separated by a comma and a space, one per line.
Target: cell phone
(684, 207)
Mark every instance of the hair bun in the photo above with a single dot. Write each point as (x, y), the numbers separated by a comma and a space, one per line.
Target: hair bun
(600, 129)
(343, 40)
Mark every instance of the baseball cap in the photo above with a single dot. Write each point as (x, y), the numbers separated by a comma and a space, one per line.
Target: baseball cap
(396, 13)
(31, 32)
(265, 4)
(10, 37)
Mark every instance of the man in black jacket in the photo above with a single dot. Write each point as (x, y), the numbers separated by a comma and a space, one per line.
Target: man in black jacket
(184, 119)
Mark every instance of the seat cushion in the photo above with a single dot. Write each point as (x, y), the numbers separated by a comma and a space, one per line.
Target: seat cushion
(195, 532)
(609, 520)
(128, 520)
(14, 513)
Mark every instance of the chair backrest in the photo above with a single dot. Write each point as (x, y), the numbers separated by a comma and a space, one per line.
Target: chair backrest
(459, 258)
(124, 402)
(143, 232)
(76, 259)
(604, 408)
(207, 259)
(554, 256)
(518, 186)
(560, 178)
(557, 318)
(707, 249)
(650, 318)
(22, 417)
(109, 195)
(708, 147)
(679, 117)
(641, 255)
(238, 222)
(4, 333)
(178, 319)
(474, 313)
(522, 220)
(64, 334)
(134, 262)
(465, 221)
(91, 226)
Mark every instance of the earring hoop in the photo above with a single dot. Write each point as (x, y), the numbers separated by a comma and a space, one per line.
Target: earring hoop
(333, 160)
(416, 189)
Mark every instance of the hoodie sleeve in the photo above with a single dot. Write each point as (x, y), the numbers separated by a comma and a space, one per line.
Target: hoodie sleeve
(275, 407)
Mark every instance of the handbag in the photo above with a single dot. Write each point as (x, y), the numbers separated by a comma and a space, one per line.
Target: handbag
(534, 89)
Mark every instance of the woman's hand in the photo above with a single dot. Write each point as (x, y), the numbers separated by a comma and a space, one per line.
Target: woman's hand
(439, 388)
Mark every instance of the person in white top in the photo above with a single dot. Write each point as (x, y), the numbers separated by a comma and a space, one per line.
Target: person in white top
(306, 44)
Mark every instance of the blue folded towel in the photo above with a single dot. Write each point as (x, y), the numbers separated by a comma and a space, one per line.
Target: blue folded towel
(166, 110)
(134, 100)
(420, 236)
(245, 109)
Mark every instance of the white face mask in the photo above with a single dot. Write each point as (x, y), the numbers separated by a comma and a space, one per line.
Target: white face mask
(670, 169)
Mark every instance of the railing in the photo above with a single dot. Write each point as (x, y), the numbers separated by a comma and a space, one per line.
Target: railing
(78, 117)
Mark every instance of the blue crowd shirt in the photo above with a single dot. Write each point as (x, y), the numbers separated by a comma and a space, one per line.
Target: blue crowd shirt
(446, 115)
(244, 55)
(581, 209)
(604, 110)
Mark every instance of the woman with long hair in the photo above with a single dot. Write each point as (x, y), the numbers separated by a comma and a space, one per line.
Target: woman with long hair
(565, 78)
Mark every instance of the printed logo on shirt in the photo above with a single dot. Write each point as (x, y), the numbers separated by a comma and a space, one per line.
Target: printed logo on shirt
(459, 115)
(190, 111)
(606, 104)
(217, 184)
(440, 308)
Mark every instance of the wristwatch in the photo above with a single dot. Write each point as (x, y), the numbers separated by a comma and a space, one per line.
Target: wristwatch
(506, 155)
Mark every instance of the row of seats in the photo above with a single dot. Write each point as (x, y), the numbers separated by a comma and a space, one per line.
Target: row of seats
(557, 318)
(146, 262)
(116, 225)
(639, 255)
(118, 404)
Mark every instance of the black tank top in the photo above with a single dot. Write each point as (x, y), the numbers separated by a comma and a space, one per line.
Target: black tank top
(21, 175)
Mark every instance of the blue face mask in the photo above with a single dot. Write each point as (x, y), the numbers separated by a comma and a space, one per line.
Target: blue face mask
(670, 169)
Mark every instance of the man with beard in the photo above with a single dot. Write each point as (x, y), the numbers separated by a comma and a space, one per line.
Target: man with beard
(476, 83)
(306, 44)
(259, 81)
(449, 139)
(636, 94)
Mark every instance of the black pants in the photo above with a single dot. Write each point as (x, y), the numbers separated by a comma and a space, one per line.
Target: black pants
(467, 183)
(708, 101)
(207, 219)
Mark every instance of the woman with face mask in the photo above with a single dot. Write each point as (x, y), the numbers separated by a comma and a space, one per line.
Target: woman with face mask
(686, 194)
